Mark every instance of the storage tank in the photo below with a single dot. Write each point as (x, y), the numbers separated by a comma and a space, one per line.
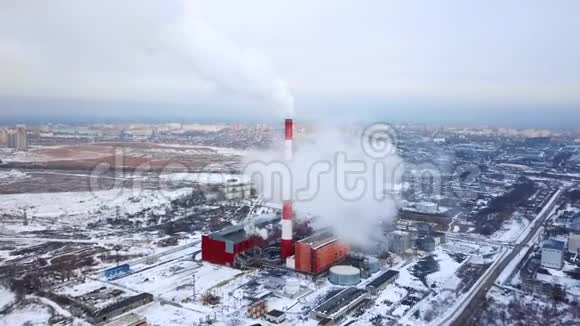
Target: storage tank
(292, 287)
(374, 265)
(344, 275)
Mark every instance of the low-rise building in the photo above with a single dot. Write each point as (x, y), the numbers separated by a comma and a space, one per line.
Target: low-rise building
(379, 283)
(275, 316)
(118, 308)
(131, 319)
(553, 254)
(338, 306)
(574, 243)
(574, 237)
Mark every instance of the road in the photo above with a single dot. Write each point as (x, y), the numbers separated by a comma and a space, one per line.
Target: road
(463, 314)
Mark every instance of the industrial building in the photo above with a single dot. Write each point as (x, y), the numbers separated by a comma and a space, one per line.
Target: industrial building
(339, 305)
(367, 265)
(426, 244)
(316, 254)
(574, 243)
(574, 237)
(381, 282)
(129, 320)
(553, 254)
(117, 271)
(399, 242)
(104, 315)
(231, 189)
(224, 246)
(275, 317)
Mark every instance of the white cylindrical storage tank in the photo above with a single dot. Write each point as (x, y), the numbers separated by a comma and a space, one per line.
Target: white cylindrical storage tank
(292, 287)
(344, 275)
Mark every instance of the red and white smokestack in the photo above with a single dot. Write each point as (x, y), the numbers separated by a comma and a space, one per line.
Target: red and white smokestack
(287, 245)
(289, 137)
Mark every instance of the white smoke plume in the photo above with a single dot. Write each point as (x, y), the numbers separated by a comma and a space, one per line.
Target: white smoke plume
(355, 220)
(230, 67)
(251, 229)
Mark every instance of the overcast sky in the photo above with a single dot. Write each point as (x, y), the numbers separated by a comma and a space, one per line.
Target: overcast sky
(495, 55)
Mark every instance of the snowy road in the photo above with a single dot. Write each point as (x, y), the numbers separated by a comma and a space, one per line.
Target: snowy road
(476, 296)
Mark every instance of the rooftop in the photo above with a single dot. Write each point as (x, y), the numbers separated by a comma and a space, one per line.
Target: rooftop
(319, 239)
(575, 224)
(237, 233)
(384, 277)
(126, 320)
(276, 313)
(339, 301)
(553, 244)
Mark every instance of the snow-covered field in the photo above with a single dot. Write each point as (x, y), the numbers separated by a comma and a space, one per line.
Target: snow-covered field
(511, 229)
(80, 208)
(48, 153)
(30, 315)
(7, 177)
(202, 178)
(6, 297)
(99, 151)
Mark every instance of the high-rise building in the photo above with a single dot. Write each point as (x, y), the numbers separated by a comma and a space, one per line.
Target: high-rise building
(14, 138)
(21, 139)
(11, 139)
(3, 137)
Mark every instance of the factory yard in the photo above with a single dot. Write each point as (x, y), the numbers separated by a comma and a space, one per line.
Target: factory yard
(93, 253)
(169, 275)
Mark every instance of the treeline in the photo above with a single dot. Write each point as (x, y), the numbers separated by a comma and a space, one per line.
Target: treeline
(489, 219)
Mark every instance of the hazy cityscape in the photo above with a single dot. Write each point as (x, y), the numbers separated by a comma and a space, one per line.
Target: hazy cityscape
(289, 163)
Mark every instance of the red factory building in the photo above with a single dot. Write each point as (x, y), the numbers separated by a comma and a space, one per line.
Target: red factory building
(223, 246)
(316, 254)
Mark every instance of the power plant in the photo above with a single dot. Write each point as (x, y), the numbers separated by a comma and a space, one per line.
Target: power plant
(293, 258)
(224, 246)
(235, 245)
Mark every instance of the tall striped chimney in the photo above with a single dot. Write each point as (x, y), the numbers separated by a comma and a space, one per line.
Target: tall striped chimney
(287, 245)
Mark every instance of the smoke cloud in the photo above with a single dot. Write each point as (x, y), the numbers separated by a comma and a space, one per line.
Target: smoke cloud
(230, 67)
(353, 201)
(150, 51)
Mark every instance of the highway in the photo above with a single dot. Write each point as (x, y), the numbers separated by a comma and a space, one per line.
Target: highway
(476, 296)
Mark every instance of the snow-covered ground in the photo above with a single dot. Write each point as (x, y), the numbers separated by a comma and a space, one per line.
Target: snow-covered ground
(44, 153)
(507, 308)
(80, 208)
(7, 177)
(511, 229)
(202, 178)
(6, 297)
(204, 149)
(30, 315)
(98, 151)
